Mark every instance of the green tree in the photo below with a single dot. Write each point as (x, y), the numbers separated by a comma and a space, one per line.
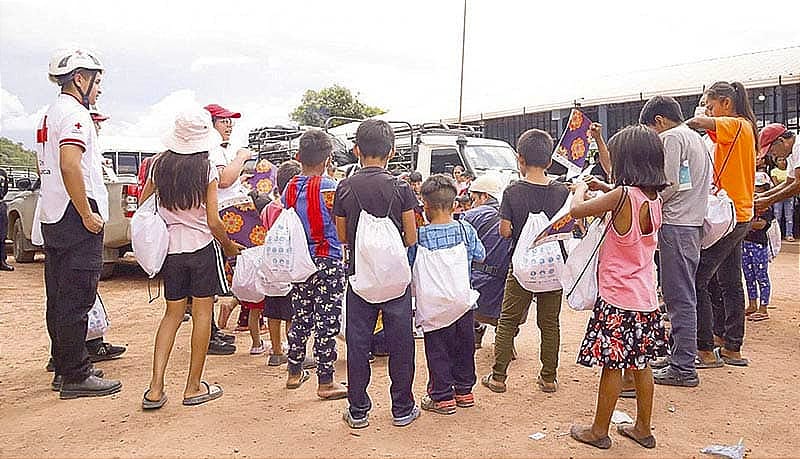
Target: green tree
(336, 100)
(15, 154)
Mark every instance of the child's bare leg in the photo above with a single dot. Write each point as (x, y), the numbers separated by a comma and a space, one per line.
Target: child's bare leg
(252, 323)
(644, 402)
(627, 380)
(752, 307)
(275, 335)
(201, 332)
(610, 387)
(225, 310)
(165, 340)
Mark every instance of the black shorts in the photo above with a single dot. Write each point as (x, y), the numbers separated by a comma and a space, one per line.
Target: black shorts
(199, 274)
(278, 307)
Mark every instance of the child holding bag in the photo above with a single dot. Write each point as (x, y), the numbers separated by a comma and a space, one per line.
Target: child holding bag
(625, 331)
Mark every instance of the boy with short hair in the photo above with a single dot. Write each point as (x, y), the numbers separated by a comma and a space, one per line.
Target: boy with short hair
(533, 194)
(449, 350)
(376, 191)
(317, 302)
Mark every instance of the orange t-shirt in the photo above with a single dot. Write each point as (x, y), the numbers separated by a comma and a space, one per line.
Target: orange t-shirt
(738, 176)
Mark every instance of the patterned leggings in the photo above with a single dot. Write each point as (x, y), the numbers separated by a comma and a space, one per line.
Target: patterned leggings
(755, 262)
(317, 306)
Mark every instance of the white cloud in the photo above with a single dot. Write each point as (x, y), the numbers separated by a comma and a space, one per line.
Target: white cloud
(204, 62)
(13, 116)
(156, 119)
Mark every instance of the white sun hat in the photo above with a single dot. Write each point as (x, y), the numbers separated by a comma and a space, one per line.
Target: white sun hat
(487, 183)
(192, 133)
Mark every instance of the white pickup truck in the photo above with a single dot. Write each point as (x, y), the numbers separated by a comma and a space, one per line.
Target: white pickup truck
(123, 155)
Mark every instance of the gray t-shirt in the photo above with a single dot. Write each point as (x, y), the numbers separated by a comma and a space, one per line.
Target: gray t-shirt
(687, 165)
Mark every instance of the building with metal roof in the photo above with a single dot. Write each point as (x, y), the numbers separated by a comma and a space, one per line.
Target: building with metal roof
(772, 78)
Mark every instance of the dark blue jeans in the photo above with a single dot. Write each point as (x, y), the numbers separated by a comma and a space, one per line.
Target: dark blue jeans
(361, 318)
(723, 260)
(680, 256)
(450, 353)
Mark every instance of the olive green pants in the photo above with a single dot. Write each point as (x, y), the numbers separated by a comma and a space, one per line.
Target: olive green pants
(516, 301)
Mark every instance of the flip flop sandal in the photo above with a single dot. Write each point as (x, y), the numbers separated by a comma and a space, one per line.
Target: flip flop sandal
(601, 443)
(304, 376)
(741, 362)
(213, 392)
(493, 385)
(648, 442)
(758, 317)
(717, 363)
(148, 404)
(628, 393)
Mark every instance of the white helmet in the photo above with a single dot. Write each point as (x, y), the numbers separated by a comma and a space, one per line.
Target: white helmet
(65, 61)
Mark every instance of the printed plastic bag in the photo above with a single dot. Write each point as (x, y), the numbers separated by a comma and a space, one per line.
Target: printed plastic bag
(579, 276)
(248, 282)
(441, 281)
(286, 255)
(774, 239)
(538, 268)
(720, 219)
(98, 320)
(149, 237)
(382, 272)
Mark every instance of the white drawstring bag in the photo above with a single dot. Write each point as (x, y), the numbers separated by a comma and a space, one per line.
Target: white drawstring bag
(579, 276)
(774, 239)
(441, 282)
(248, 283)
(149, 237)
(98, 324)
(537, 268)
(286, 255)
(382, 272)
(720, 219)
(277, 288)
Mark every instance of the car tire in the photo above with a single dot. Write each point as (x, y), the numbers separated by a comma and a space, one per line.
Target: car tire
(20, 254)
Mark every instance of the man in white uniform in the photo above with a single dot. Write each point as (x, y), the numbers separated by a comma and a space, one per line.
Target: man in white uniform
(69, 219)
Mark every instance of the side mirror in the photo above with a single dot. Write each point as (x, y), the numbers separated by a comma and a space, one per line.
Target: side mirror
(24, 184)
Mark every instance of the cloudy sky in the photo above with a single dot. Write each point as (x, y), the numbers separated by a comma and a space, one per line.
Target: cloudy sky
(259, 57)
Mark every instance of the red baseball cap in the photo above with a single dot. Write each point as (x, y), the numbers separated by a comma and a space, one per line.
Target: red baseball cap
(768, 135)
(218, 111)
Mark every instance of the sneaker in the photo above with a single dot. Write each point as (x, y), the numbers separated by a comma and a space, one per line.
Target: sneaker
(276, 360)
(408, 419)
(258, 350)
(230, 339)
(217, 347)
(669, 377)
(58, 380)
(355, 423)
(441, 407)
(659, 363)
(90, 387)
(106, 351)
(465, 401)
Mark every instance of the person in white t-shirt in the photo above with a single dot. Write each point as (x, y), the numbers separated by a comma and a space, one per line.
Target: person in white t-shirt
(187, 201)
(69, 218)
(779, 142)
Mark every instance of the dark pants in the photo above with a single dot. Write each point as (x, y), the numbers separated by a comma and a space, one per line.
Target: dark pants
(3, 231)
(680, 256)
(450, 353)
(73, 259)
(723, 260)
(361, 318)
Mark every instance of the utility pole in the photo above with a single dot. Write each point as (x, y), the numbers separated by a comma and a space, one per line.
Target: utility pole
(463, 39)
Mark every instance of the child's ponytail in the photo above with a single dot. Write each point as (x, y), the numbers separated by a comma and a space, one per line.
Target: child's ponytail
(737, 93)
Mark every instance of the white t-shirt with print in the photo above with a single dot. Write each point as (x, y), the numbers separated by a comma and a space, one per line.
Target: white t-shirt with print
(220, 157)
(67, 122)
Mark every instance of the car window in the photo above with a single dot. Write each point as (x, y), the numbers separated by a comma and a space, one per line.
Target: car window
(441, 158)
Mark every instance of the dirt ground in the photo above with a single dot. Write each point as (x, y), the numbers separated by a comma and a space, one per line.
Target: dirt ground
(259, 417)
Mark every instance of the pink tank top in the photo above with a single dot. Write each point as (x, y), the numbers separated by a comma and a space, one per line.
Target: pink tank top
(626, 271)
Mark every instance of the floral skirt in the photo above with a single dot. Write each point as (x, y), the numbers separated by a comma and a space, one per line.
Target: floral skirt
(622, 339)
